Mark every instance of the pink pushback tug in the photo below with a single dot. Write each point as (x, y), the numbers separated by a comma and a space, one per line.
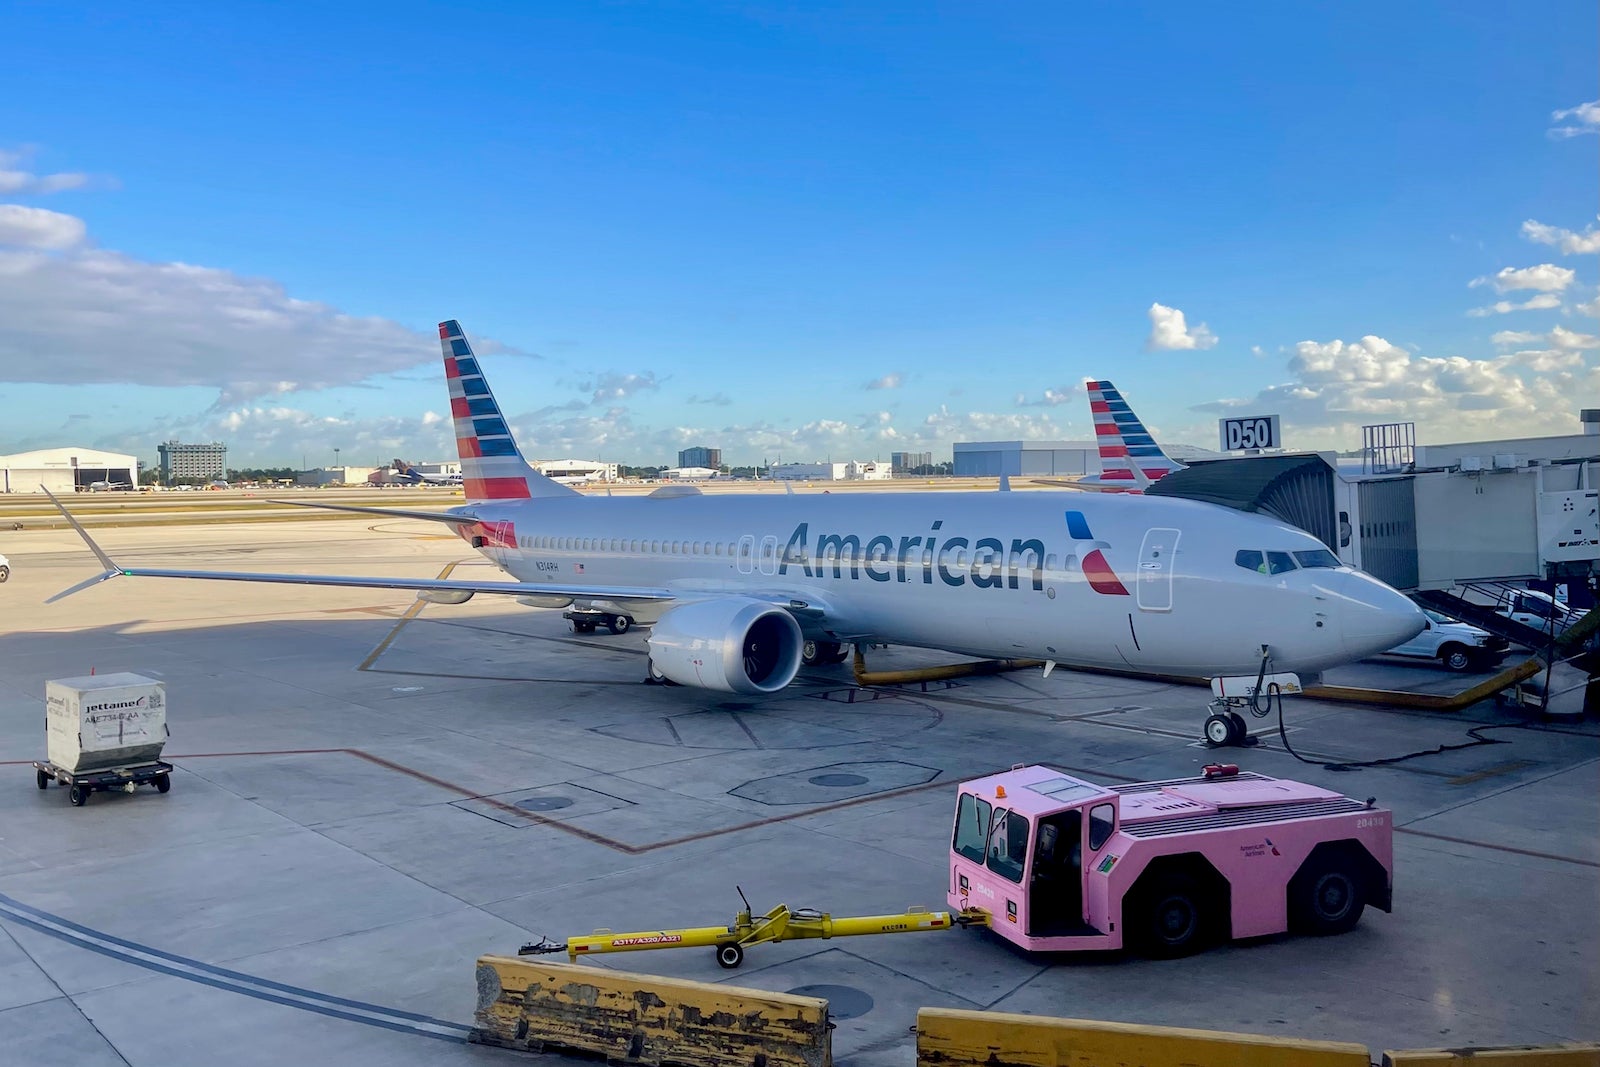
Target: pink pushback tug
(1165, 868)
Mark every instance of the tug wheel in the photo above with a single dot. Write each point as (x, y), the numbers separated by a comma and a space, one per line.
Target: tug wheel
(729, 956)
(1219, 731)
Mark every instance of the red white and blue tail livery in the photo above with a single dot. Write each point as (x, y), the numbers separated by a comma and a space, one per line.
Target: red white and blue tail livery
(1130, 459)
(491, 466)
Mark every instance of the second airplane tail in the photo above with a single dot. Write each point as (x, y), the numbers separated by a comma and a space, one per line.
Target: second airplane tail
(492, 468)
(1128, 454)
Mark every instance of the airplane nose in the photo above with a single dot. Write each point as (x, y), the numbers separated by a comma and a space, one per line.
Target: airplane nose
(1373, 616)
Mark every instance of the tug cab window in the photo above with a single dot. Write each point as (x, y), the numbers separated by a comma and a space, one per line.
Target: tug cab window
(972, 827)
(1008, 845)
(1102, 821)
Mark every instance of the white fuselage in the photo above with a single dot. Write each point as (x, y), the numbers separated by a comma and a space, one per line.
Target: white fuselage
(1119, 581)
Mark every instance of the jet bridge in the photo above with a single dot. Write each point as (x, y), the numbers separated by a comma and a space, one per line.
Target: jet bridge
(1501, 516)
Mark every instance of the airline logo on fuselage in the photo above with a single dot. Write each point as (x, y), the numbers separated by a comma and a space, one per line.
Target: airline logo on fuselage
(983, 562)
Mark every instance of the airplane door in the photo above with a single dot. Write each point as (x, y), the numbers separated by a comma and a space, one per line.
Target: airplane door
(747, 554)
(1156, 556)
(769, 555)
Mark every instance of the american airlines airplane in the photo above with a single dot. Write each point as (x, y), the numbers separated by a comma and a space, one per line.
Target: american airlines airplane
(741, 589)
(1130, 459)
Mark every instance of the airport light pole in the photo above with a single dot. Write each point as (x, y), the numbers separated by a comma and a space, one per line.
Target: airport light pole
(336, 457)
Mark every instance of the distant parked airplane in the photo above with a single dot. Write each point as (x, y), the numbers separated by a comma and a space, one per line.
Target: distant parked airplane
(743, 588)
(406, 474)
(107, 486)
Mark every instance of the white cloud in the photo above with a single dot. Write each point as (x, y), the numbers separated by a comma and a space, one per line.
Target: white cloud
(1590, 307)
(14, 181)
(35, 228)
(1170, 332)
(1061, 394)
(1571, 341)
(1546, 278)
(1569, 243)
(888, 381)
(1533, 303)
(720, 400)
(1516, 337)
(1337, 387)
(1585, 119)
(77, 314)
(614, 386)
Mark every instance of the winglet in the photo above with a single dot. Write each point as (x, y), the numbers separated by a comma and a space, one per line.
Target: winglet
(111, 568)
(1005, 483)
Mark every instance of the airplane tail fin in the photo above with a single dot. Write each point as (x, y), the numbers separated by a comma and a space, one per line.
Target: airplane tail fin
(491, 466)
(1127, 451)
(403, 471)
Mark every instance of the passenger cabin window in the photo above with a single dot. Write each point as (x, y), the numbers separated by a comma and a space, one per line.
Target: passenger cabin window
(1008, 845)
(1316, 557)
(1102, 821)
(1279, 562)
(972, 827)
(1250, 559)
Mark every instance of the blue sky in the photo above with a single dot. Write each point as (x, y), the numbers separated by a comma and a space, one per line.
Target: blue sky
(809, 230)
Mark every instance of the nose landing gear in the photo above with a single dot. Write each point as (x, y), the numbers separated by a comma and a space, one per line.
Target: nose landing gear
(1224, 726)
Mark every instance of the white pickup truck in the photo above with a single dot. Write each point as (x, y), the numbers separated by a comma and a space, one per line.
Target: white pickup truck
(1536, 609)
(1456, 645)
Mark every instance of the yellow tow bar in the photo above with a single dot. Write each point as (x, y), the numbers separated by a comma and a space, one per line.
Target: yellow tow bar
(782, 923)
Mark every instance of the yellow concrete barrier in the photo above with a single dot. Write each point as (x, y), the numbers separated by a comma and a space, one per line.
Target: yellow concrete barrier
(645, 1019)
(950, 1038)
(1583, 1055)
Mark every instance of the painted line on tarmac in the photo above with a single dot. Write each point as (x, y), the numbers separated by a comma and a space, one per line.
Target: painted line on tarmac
(152, 959)
(1497, 848)
(410, 613)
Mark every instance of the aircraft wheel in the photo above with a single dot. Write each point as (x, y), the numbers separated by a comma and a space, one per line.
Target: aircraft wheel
(1218, 731)
(654, 675)
(619, 624)
(729, 956)
(816, 653)
(1241, 729)
(43, 779)
(78, 794)
(841, 655)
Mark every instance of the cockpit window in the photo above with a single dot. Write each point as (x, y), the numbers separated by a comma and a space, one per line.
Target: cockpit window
(1250, 559)
(1317, 557)
(1279, 562)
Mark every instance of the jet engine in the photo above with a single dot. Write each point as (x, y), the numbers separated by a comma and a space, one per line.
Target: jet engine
(733, 644)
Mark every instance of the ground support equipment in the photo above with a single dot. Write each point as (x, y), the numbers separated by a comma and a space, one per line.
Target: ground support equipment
(782, 923)
(80, 784)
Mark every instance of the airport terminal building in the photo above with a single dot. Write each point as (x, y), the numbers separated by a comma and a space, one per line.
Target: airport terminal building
(67, 470)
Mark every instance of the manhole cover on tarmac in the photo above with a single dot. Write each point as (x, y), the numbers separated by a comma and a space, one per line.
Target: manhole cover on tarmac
(544, 803)
(837, 780)
(844, 1002)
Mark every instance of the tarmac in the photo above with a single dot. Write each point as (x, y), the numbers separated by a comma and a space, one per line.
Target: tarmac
(370, 793)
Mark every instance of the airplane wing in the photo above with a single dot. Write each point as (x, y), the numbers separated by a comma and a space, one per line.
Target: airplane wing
(454, 517)
(116, 570)
(1089, 488)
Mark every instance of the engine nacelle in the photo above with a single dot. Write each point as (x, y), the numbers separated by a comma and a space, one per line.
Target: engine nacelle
(734, 644)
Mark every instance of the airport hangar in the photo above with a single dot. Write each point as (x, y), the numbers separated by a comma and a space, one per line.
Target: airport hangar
(65, 470)
(991, 459)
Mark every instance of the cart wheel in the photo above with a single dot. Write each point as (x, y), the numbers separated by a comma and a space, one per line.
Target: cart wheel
(78, 794)
(729, 956)
(619, 624)
(43, 779)
(1218, 730)
(163, 783)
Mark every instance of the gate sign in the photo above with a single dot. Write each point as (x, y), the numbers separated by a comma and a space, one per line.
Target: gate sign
(1250, 433)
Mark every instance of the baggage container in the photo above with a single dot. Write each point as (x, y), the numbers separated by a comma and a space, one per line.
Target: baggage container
(105, 720)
